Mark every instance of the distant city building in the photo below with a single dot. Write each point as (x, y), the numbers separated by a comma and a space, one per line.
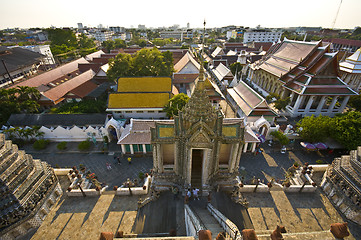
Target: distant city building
(80, 26)
(121, 36)
(173, 34)
(117, 29)
(43, 49)
(29, 189)
(102, 36)
(141, 27)
(188, 25)
(261, 36)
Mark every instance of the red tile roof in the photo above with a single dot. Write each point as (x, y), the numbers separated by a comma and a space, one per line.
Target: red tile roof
(47, 77)
(61, 90)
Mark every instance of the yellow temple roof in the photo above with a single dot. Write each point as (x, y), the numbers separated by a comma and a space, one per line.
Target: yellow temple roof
(137, 100)
(145, 84)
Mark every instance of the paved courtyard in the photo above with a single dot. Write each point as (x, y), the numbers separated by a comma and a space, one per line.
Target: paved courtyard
(271, 163)
(85, 218)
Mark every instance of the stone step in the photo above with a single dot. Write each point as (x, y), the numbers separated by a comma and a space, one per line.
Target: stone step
(324, 235)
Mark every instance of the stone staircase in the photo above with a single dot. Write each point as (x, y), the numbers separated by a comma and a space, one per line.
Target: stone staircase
(206, 218)
(324, 235)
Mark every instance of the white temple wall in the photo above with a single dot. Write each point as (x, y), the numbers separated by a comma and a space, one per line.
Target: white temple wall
(73, 134)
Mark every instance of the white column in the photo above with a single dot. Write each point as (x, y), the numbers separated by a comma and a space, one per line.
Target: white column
(309, 104)
(297, 103)
(123, 148)
(320, 105)
(332, 105)
(131, 149)
(155, 157)
(253, 147)
(245, 147)
(343, 104)
(144, 149)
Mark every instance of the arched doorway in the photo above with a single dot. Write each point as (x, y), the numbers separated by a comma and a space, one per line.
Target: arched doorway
(112, 133)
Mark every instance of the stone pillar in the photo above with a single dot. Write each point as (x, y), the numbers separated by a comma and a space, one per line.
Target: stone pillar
(155, 157)
(144, 148)
(254, 147)
(160, 158)
(188, 166)
(238, 158)
(123, 148)
(309, 104)
(332, 105)
(320, 105)
(131, 149)
(343, 104)
(175, 168)
(245, 147)
(233, 157)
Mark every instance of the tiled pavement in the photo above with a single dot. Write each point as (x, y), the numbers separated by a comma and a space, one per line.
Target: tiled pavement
(96, 162)
(82, 217)
(86, 218)
(271, 163)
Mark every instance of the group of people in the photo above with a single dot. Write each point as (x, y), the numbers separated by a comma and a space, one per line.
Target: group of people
(193, 193)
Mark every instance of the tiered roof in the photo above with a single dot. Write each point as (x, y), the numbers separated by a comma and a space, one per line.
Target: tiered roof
(184, 62)
(352, 63)
(249, 101)
(306, 68)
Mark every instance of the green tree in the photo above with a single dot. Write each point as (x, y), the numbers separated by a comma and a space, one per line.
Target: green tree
(108, 45)
(60, 36)
(175, 104)
(355, 102)
(119, 66)
(314, 129)
(280, 137)
(279, 103)
(85, 42)
(346, 129)
(235, 67)
(146, 62)
(18, 100)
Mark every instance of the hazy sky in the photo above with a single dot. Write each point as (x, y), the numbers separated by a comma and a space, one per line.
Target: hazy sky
(158, 13)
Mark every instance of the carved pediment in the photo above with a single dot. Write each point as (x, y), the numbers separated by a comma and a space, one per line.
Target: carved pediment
(200, 137)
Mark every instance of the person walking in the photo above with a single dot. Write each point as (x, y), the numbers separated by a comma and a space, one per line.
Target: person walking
(175, 192)
(195, 193)
(129, 160)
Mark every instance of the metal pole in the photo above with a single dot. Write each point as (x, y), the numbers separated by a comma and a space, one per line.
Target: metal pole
(7, 71)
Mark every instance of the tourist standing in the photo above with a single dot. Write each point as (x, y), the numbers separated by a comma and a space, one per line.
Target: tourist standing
(129, 160)
(195, 193)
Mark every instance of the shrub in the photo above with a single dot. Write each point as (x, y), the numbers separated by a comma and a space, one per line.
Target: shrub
(319, 161)
(141, 175)
(61, 145)
(40, 144)
(84, 145)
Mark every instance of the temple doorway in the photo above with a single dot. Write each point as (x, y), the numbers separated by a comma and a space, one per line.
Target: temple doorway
(197, 162)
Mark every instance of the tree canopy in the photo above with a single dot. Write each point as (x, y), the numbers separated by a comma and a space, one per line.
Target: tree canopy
(175, 104)
(344, 128)
(116, 44)
(22, 99)
(146, 62)
(279, 103)
(314, 129)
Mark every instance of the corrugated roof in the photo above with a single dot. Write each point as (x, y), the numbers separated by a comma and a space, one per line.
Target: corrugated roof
(144, 84)
(53, 74)
(96, 54)
(16, 58)
(62, 89)
(137, 100)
